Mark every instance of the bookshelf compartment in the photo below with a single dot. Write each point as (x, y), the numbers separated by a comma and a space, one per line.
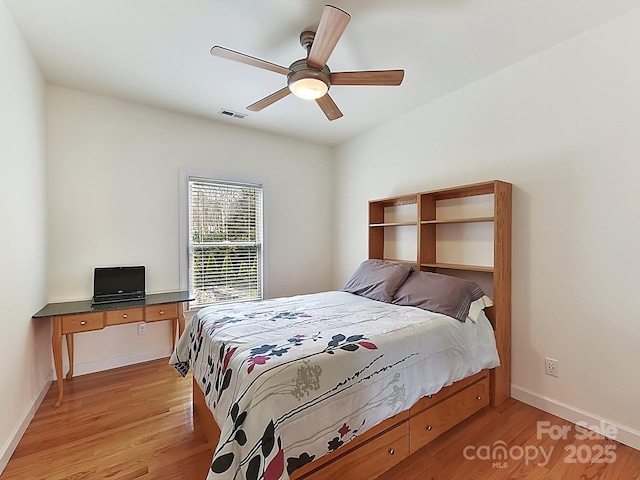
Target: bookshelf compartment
(465, 244)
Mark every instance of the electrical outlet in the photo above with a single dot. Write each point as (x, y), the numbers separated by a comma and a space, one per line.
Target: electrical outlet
(142, 328)
(551, 367)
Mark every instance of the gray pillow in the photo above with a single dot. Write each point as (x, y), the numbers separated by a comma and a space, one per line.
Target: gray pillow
(450, 296)
(378, 279)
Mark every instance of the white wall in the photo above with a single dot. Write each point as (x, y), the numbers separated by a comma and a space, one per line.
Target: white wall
(113, 200)
(26, 357)
(563, 128)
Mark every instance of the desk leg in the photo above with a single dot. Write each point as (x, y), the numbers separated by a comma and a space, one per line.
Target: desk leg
(56, 347)
(69, 337)
(180, 319)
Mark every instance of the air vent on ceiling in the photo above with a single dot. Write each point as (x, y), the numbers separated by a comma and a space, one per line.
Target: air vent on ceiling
(232, 114)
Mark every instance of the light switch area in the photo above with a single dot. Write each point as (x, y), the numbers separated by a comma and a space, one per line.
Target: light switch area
(142, 328)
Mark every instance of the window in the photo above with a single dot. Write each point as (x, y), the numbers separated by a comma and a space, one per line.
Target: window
(225, 241)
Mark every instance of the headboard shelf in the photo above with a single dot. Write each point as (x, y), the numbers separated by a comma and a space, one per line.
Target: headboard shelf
(459, 220)
(393, 224)
(470, 190)
(397, 201)
(456, 266)
(396, 260)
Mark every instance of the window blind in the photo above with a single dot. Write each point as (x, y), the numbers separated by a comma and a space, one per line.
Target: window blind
(225, 241)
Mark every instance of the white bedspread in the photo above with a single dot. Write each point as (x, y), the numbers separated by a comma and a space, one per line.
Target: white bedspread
(292, 379)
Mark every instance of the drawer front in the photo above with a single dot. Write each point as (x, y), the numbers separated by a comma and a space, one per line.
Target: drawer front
(361, 440)
(369, 460)
(446, 392)
(82, 323)
(161, 312)
(431, 423)
(130, 315)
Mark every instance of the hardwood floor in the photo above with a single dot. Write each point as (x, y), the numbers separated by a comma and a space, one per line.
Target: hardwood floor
(136, 423)
(128, 423)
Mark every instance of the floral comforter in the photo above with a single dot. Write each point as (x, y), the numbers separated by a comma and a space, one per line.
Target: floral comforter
(292, 379)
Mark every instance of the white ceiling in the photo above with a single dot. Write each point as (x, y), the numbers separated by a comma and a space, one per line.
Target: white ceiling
(156, 52)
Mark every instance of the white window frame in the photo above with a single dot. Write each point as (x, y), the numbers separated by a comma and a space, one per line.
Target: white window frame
(184, 262)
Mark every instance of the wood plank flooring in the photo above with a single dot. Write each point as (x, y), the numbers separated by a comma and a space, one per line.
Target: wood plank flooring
(136, 422)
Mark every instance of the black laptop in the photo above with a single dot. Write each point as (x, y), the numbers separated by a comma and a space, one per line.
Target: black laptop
(118, 284)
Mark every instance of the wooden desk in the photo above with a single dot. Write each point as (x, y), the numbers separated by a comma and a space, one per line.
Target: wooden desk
(75, 317)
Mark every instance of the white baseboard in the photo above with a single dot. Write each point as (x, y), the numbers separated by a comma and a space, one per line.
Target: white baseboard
(116, 362)
(12, 442)
(625, 435)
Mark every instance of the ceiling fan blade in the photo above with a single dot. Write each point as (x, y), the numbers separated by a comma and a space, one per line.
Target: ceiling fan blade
(370, 77)
(331, 27)
(218, 51)
(329, 107)
(266, 101)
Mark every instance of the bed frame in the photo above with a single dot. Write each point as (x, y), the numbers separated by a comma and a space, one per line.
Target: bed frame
(387, 444)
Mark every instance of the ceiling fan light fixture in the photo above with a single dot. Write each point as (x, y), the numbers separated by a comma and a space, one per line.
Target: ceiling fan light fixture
(309, 88)
(308, 83)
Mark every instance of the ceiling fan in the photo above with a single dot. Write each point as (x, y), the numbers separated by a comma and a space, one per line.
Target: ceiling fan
(310, 78)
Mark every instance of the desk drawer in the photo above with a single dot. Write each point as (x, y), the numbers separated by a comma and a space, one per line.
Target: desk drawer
(82, 323)
(130, 315)
(161, 312)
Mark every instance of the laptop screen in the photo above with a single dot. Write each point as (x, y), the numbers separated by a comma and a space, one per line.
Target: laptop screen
(118, 280)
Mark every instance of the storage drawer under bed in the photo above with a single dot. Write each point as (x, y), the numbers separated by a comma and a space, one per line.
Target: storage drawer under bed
(433, 422)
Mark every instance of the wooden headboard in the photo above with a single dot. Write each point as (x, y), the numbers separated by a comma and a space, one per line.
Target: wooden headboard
(434, 218)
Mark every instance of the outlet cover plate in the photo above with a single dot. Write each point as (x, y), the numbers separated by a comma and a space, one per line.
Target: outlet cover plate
(551, 367)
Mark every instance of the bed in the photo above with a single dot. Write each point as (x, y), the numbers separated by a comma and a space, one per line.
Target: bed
(345, 383)
(291, 380)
